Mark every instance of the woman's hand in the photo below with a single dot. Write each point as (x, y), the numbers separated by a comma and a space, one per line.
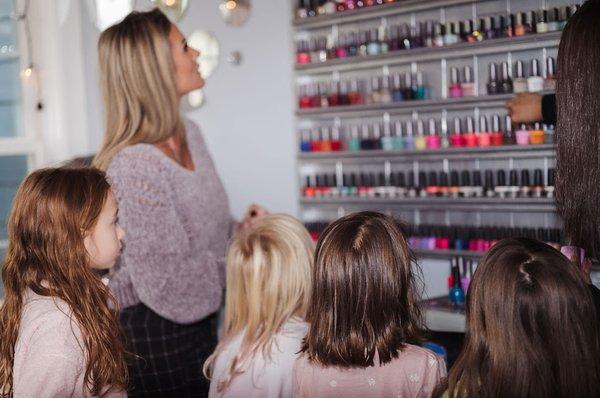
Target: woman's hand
(253, 213)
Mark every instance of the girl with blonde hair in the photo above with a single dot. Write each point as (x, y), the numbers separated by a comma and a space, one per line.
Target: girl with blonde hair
(171, 201)
(59, 336)
(268, 285)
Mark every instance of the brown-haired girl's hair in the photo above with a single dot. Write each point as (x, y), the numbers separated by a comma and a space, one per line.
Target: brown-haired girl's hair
(531, 327)
(578, 128)
(364, 301)
(52, 210)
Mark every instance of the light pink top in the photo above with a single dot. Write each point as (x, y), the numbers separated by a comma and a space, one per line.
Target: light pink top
(49, 355)
(415, 373)
(263, 378)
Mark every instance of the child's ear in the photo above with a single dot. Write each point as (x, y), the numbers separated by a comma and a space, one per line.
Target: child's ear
(89, 244)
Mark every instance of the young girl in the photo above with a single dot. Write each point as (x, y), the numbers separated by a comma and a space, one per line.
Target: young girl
(268, 285)
(58, 335)
(364, 316)
(531, 327)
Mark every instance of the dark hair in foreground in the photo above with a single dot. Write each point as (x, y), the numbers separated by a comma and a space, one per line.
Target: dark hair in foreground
(531, 327)
(578, 128)
(364, 299)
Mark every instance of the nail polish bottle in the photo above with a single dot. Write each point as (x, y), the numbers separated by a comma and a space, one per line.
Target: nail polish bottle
(429, 34)
(353, 184)
(531, 22)
(465, 30)
(438, 35)
(513, 184)
(343, 96)
(431, 188)
(433, 139)
(340, 49)
(333, 96)
(305, 141)
(553, 20)
(398, 137)
(467, 85)
(322, 49)
(363, 185)
(309, 189)
(302, 53)
(373, 46)
(542, 21)
(444, 184)
(365, 138)
(383, 39)
(477, 34)
(522, 135)
(510, 26)
(483, 136)
(519, 82)
(401, 187)
(457, 139)
(304, 99)
(376, 139)
(477, 187)
(335, 190)
(394, 41)
(501, 30)
(536, 136)
(525, 190)
(405, 42)
(501, 189)
(302, 10)
(520, 29)
(354, 94)
(354, 140)
(563, 16)
(550, 79)
(470, 138)
(444, 139)
(549, 189)
(397, 94)
(506, 84)
(489, 28)
(464, 189)
(537, 190)
(362, 44)
(416, 35)
(381, 187)
(352, 47)
(488, 184)
(319, 185)
(420, 140)
(374, 95)
(509, 135)
(385, 94)
(548, 134)
(332, 46)
(492, 86)
(325, 140)
(408, 93)
(496, 136)
(535, 82)
(323, 94)
(455, 89)
(422, 184)
(336, 143)
(387, 141)
(454, 188)
(409, 141)
(465, 281)
(450, 37)
(411, 184)
(315, 142)
(420, 90)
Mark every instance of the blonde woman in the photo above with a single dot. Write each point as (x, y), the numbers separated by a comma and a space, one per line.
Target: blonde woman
(171, 203)
(268, 285)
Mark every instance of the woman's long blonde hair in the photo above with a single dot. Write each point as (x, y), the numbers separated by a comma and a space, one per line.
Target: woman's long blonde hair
(52, 210)
(268, 282)
(137, 79)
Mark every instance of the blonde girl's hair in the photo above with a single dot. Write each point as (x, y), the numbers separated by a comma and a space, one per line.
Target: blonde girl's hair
(52, 211)
(268, 282)
(137, 80)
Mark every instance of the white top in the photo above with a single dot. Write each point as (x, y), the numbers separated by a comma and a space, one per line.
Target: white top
(49, 353)
(262, 378)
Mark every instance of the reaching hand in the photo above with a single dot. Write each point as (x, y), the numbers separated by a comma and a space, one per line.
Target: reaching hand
(525, 108)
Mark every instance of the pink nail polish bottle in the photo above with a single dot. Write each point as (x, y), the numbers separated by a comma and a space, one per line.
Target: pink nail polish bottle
(433, 139)
(484, 136)
(454, 90)
(522, 135)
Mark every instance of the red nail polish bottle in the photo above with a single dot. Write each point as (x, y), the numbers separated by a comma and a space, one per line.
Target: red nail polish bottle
(496, 138)
(470, 138)
(484, 136)
(336, 143)
(456, 139)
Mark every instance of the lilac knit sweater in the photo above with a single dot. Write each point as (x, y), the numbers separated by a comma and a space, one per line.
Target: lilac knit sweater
(177, 223)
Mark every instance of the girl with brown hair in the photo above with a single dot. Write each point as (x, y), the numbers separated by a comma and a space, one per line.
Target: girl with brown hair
(531, 328)
(364, 316)
(59, 336)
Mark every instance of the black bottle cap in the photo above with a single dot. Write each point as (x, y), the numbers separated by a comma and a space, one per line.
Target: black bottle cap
(501, 178)
(443, 179)
(477, 178)
(551, 174)
(325, 180)
(393, 180)
(465, 178)
(411, 179)
(346, 180)
(432, 179)
(307, 182)
(513, 178)
(319, 180)
(454, 178)
(333, 180)
(400, 180)
(538, 178)
(422, 179)
(363, 180)
(489, 179)
(353, 180)
(525, 181)
(381, 179)
(372, 180)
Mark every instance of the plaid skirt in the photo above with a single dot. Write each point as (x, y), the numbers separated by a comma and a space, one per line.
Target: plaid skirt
(165, 358)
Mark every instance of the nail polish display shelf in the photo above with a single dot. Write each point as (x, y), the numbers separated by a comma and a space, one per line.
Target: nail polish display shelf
(443, 254)
(423, 54)
(386, 10)
(462, 153)
(407, 107)
(441, 204)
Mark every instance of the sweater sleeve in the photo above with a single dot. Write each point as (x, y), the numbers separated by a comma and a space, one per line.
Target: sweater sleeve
(157, 250)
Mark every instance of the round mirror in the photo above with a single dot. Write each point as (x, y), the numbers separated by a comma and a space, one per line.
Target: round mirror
(235, 12)
(105, 13)
(208, 46)
(173, 9)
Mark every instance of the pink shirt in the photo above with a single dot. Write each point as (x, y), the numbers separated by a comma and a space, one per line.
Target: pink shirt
(49, 355)
(415, 373)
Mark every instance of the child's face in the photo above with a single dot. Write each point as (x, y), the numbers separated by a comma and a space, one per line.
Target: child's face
(103, 241)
